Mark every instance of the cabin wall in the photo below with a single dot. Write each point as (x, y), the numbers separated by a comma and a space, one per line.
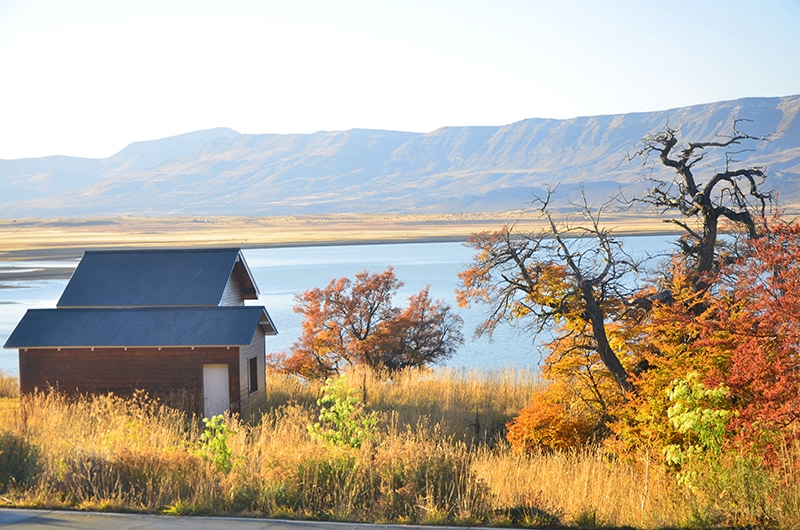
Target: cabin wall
(233, 293)
(251, 402)
(176, 373)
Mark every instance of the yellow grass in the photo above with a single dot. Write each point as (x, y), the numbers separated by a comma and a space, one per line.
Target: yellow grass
(43, 238)
(439, 456)
(9, 386)
(427, 464)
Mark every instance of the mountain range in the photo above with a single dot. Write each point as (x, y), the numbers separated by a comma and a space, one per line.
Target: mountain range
(452, 169)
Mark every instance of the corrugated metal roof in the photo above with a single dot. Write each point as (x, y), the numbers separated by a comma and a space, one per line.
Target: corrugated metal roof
(151, 327)
(138, 278)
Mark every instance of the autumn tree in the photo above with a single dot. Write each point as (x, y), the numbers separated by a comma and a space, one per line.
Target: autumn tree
(711, 191)
(355, 322)
(572, 276)
(743, 336)
(720, 319)
(756, 331)
(701, 194)
(572, 279)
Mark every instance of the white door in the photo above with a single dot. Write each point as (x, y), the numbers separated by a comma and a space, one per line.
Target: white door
(216, 394)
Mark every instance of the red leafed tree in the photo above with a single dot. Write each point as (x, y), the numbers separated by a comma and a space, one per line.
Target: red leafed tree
(355, 322)
(758, 322)
(742, 334)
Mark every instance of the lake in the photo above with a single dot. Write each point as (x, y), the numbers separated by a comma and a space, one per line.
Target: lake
(283, 272)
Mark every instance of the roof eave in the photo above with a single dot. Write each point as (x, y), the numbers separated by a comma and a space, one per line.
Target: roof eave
(121, 347)
(270, 329)
(249, 274)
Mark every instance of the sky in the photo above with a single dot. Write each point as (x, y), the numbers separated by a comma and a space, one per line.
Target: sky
(88, 77)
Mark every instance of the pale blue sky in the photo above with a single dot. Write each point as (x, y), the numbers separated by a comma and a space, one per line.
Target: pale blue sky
(88, 77)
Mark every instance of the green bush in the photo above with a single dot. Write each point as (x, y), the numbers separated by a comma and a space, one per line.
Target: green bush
(215, 442)
(699, 414)
(342, 419)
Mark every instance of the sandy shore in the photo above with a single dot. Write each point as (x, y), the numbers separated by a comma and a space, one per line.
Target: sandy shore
(60, 239)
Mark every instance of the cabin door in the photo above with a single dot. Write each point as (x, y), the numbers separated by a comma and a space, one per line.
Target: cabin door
(216, 393)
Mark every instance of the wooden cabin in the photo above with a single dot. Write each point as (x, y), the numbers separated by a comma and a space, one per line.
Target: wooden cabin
(171, 322)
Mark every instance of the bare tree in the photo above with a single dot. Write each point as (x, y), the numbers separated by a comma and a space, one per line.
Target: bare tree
(729, 192)
(565, 272)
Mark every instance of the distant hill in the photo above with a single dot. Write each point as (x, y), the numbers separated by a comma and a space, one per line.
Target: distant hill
(453, 169)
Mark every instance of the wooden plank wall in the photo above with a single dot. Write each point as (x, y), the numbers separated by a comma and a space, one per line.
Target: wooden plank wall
(122, 371)
(233, 293)
(251, 403)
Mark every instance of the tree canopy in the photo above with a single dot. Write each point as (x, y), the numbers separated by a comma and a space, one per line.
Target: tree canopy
(354, 322)
(714, 333)
(569, 276)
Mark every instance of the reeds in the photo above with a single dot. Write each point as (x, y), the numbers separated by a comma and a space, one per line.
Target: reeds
(429, 464)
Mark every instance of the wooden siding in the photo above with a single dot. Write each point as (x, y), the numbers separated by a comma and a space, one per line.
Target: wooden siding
(234, 292)
(249, 404)
(159, 371)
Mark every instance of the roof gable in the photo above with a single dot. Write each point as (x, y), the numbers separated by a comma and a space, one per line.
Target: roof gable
(146, 278)
(140, 327)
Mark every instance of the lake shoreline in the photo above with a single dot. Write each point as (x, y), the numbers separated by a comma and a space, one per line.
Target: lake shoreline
(46, 240)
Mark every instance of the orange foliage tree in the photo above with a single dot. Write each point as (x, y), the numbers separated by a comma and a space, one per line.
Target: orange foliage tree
(743, 335)
(665, 342)
(645, 342)
(571, 278)
(355, 322)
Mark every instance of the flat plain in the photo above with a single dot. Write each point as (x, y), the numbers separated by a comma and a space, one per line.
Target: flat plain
(58, 239)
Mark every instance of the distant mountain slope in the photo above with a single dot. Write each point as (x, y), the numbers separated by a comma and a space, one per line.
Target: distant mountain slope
(453, 169)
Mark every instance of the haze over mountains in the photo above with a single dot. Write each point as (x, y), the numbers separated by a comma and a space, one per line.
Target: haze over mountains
(452, 169)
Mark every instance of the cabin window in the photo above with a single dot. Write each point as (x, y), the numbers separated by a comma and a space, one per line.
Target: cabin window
(253, 373)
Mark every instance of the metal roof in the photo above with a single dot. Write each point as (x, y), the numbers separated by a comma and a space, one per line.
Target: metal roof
(147, 327)
(167, 277)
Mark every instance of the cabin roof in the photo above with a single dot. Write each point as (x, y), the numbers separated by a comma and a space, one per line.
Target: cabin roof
(140, 327)
(159, 277)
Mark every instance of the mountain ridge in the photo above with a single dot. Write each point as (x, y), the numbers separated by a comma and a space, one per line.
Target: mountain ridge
(452, 169)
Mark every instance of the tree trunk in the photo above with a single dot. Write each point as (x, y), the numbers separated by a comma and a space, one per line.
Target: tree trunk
(705, 250)
(607, 355)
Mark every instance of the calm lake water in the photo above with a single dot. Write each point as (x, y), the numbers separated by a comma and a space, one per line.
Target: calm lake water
(283, 272)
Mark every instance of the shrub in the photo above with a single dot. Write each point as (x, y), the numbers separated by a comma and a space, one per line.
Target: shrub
(18, 460)
(215, 442)
(550, 423)
(342, 419)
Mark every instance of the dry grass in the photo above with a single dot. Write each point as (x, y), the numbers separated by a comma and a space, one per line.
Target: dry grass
(41, 238)
(471, 405)
(9, 386)
(426, 466)
(584, 487)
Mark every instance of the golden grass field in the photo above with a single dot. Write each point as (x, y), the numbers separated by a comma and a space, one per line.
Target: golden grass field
(40, 238)
(437, 458)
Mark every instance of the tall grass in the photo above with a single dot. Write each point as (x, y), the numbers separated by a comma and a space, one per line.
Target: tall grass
(437, 459)
(9, 386)
(470, 405)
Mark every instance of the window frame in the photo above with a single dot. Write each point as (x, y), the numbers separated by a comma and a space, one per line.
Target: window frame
(252, 374)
